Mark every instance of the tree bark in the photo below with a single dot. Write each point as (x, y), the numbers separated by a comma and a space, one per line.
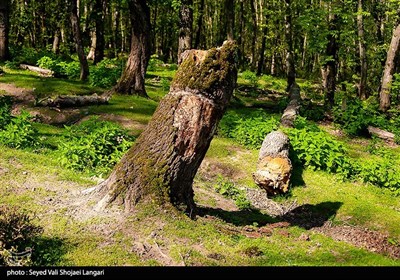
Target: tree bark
(290, 67)
(132, 79)
(4, 29)
(78, 41)
(362, 87)
(56, 42)
(99, 11)
(93, 44)
(262, 50)
(199, 25)
(254, 35)
(185, 27)
(41, 71)
(292, 109)
(65, 101)
(393, 52)
(329, 69)
(382, 134)
(230, 18)
(165, 158)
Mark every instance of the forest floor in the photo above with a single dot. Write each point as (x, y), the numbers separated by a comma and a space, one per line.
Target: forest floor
(322, 222)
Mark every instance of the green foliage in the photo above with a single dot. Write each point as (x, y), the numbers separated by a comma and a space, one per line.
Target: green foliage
(16, 132)
(106, 73)
(229, 190)
(250, 130)
(59, 67)
(165, 84)
(29, 55)
(16, 232)
(317, 150)
(93, 146)
(250, 77)
(154, 63)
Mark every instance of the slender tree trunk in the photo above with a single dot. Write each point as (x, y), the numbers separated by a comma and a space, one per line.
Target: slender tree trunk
(199, 25)
(56, 42)
(4, 28)
(290, 67)
(329, 69)
(254, 34)
(117, 37)
(93, 44)
(99, 10)
(230, 18)
(240, 40)
(393, 52)
(185, 27)
(262, 51)
(362, 88)
(78, 41)
(132, 79)
(165, 158)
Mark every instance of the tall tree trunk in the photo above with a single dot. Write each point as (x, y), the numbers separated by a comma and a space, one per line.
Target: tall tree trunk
(117, 37)
(199, 25)
(165, 158)
(56, 41)
(99, 12)
(262, 51)
(93, 44)
(240, 40)
(132, 79)
(329, 69)
(254, 34)
(230, 18)
(393, 52)
(76, 30)
(290, 67)
(185, 27)
(362, 87)
(4, 28)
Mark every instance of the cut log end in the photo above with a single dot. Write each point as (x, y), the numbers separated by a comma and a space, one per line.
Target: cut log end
(274, 167)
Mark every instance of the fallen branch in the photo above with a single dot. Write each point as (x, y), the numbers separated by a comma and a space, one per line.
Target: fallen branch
(40, 71)
(292, 109)
(75, 101)
(380, 133)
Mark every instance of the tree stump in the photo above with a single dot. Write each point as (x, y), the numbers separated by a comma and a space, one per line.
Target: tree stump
(165, 158)
(274, 167)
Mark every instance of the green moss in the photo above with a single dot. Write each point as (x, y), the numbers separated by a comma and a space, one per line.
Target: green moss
(215, 69)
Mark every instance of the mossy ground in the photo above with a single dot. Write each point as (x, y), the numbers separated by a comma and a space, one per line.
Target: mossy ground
(36, 182)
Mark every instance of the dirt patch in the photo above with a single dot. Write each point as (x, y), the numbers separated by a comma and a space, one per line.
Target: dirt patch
(220, 201)
(210, 169)
(23, 95)
(361, 237)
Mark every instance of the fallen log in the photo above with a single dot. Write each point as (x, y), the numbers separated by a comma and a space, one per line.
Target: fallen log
(380, 133)
(292, 109)
(41, 71)
(75, 101)
(274, 167)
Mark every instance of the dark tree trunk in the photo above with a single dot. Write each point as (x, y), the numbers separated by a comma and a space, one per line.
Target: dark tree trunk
(99, 11)
(199, 25)
(290, 67)
(165, 158)
(185, 27)
(329, 69)
(78, 41)
(4, 28)
(132, 79)
(393, 52)
(260, 64)
(230, 18)
(254, 35)
(362, 87)
(240, 41)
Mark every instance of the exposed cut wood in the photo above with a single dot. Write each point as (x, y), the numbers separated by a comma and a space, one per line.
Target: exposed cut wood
(292, 109)
(383, 134)
(274, 166)
(41, 71)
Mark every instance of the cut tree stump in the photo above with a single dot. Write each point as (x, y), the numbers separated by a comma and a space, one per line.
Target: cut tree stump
(382, 134)
(292, 109)
(41, 71)
(274, 167)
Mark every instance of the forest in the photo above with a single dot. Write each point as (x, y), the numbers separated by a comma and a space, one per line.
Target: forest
(199, 133)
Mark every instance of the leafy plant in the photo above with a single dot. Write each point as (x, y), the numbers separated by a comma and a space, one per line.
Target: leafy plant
(106, 73)
(250, 77)
(94, 146)
(229, 190)
(16, 233)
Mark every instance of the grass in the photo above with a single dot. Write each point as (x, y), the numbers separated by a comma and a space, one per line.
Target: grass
(36, 181)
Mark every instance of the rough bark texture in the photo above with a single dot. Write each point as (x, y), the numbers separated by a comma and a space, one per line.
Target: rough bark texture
(383, 134)
(329, 70)
(99, 11)
(199, 25)
(384, 95)
(76, 30)
(292, 109)
(165, 158)
(230, 19)
(185, 27)
(4, 28)
(274, 167)
(41, 71)
(132, 79)
(362, 90)
(290, 67)
(75, 101)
